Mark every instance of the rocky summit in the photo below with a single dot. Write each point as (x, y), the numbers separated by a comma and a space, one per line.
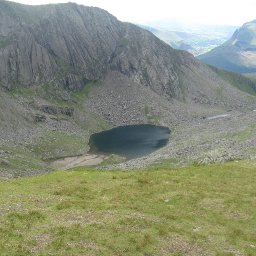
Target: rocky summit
(67, 71)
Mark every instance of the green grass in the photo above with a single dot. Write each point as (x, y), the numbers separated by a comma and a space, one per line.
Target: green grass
(83, 94)
(21, 162)
(59, 144)
(203, 210)
(53, 93)
(252, 76)
(112, 159)
(242, 82)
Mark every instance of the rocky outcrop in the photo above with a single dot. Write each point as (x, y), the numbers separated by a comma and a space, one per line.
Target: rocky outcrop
(39, 118)
(54, 110)
(69, 45)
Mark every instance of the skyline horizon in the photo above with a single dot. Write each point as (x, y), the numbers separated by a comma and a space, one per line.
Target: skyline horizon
(187, 13)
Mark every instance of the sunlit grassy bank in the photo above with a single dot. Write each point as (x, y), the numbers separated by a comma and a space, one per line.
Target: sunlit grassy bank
(203, 210)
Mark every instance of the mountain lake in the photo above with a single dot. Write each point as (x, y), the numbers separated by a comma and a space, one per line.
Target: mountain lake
(132, 141)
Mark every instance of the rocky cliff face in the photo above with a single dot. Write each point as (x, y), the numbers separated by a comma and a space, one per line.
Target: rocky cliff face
(61, 43)
(69, 45)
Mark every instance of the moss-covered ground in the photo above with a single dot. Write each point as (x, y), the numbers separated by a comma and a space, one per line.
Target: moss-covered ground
(197, 210)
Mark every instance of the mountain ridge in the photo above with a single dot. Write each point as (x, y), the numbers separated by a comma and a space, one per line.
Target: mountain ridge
(83, 47)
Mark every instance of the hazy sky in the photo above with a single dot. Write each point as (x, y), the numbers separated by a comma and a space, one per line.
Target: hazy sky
(228, 12)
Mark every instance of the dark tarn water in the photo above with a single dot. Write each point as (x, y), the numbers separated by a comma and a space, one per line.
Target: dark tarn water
(131, 141)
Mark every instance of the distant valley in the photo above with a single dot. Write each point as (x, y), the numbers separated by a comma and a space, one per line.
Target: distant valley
(196, 40)
(238, 54)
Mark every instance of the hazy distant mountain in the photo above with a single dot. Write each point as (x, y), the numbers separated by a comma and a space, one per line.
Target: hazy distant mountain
(238, 54)
(195, 39)
(194, 28)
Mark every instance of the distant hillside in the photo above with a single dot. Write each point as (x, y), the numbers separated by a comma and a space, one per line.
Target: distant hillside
(195, 41)
(243, 83)
(238, 54)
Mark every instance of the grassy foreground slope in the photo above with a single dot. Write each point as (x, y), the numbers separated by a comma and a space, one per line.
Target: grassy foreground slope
(198, 210)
